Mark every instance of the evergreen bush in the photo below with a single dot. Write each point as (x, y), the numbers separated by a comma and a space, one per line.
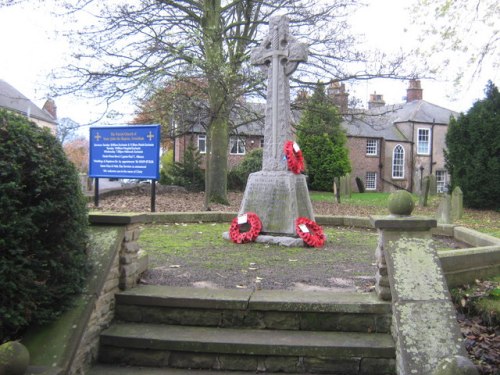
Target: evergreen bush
(473, 152)
(238, 176)
(43, 227)
(323, 142)
(167, 166)
(188, 173)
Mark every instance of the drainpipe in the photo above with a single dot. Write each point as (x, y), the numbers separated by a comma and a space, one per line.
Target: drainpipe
(432, 147)
(380, 164)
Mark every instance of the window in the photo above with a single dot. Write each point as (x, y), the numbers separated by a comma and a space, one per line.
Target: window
(424, 142)
(371, 181)
(398, 162)
(372, 147)
(237, 146)
(262, 142)
(202, 144)
(441, 181)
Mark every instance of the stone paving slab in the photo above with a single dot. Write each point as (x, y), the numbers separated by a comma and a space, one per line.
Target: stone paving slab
(249, 341)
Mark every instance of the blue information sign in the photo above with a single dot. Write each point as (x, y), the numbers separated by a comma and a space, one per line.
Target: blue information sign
(125, 152)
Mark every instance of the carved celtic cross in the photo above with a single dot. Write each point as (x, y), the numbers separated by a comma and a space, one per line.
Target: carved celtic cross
(280, 54)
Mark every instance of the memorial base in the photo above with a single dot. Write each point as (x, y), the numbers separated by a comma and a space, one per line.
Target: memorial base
(279, 198)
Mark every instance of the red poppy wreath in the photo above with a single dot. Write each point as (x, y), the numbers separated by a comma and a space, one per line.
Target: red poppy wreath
(310, 232)
(248, 221)
(294, 157)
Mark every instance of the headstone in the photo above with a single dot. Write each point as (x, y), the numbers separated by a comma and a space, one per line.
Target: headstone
(275, 194)
(345, 185)
(443, 215)
(422, 201)
(432, 184)
(457, 204)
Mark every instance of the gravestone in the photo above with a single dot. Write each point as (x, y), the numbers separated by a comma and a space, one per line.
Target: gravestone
(457, 204)
(345, 185)
(275, 194)
(443, 215)
(432, 184)
(424, 196)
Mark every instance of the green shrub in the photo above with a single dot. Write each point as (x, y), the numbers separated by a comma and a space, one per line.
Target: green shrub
(43, 230)
(238, 176)
(167, 166)
(188, 173)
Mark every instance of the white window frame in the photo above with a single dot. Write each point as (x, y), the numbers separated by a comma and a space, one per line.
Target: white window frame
(240, 146)
(202, 138)
(424, 145)
(441, 181)
(372, 147)
(371, 181)
(398, 162)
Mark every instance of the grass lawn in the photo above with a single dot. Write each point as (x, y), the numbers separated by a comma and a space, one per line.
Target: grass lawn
(485, 221)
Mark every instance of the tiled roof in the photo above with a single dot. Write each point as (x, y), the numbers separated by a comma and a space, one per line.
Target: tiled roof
(380, 121)
(13, 100)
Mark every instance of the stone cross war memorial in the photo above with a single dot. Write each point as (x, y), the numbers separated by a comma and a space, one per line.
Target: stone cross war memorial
(275, 194)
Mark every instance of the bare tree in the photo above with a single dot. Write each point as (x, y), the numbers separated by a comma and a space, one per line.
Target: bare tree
(462, 33)
(138, 46)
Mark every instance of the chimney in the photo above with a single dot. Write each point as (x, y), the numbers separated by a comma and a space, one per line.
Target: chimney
(336, 92)
(376, 100)
(51, 108)
(414, 91)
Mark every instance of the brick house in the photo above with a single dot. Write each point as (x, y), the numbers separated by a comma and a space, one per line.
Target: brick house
(11, 99)
(390, 146)
(395, 146)
(247, 136)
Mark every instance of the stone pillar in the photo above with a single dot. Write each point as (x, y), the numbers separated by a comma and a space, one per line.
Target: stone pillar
(424, 324)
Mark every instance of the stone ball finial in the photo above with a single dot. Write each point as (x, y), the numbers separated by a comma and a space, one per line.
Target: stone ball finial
(14, 358)
(401, 203)
(457, 365)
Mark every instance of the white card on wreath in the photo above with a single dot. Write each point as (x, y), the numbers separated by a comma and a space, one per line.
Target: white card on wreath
(243, 219)
(296, 147)
(304, 228)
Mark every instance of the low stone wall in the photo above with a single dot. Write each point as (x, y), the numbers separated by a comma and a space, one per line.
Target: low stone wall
(125, 268)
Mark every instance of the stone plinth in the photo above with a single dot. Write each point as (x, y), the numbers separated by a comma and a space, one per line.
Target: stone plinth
(424, 323)
(279, 198)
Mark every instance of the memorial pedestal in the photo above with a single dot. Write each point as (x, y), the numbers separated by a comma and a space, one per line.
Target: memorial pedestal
(279, 198)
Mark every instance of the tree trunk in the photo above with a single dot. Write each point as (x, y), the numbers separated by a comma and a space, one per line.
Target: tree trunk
(216, 182)
(219, 102)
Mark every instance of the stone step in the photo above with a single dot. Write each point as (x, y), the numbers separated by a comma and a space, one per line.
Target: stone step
(158, 345)
(128, 370)
(264, 309)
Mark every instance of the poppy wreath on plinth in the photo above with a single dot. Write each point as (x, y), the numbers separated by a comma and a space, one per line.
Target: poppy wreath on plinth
(251, 224)
(293, 154)
(310, 232)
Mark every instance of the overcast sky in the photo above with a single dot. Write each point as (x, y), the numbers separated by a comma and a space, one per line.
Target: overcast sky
(31, 48)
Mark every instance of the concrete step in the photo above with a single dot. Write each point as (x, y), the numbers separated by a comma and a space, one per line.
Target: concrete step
(270, 309)
(230, 349)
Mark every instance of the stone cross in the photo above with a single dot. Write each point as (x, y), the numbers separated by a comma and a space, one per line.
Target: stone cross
(280, 54)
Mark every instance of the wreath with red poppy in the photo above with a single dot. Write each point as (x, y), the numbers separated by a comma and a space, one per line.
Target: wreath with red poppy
(245, 228)
(294, 157)
(310, 232)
